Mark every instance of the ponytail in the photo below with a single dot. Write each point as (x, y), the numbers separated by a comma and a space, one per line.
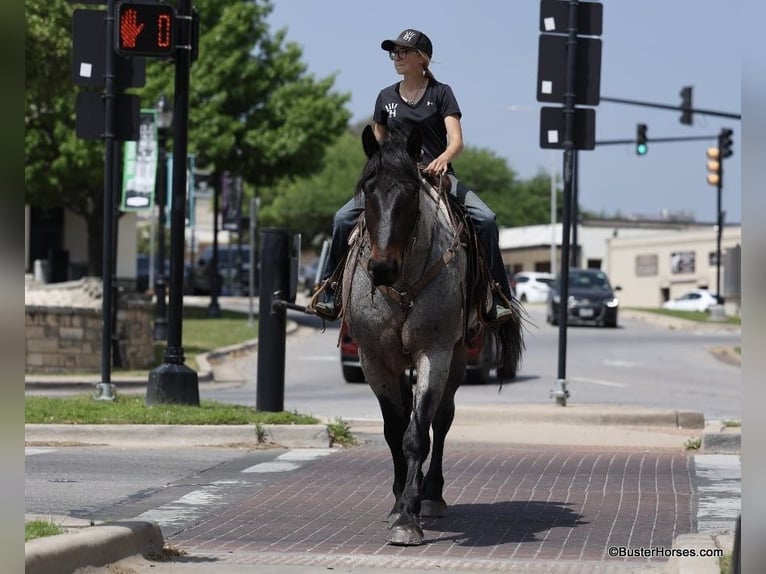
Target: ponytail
(426, 72)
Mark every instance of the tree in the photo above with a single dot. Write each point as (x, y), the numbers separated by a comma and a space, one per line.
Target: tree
(308, 204)
(59, 170)
(254, 109)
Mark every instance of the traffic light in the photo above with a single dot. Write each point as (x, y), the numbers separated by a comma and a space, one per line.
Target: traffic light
(641, 147)
(713, 165)
(145, 29)
(724, 143)
(686, 105)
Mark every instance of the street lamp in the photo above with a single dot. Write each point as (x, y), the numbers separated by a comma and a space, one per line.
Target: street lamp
(164, 121)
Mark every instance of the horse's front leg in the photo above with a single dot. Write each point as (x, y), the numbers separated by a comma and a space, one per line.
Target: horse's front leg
(432, 502)
(432, 378)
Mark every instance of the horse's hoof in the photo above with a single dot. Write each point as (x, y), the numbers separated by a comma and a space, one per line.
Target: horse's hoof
(433, 508)
(392, 518)
(406, 536)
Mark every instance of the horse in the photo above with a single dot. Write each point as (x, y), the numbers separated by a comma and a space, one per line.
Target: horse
(404, 301)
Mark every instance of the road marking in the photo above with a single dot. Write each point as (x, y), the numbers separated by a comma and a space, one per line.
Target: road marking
(289, 460)
(599, 382)
(620, 363)
(194, 504)
(719, 487)
(30, 451)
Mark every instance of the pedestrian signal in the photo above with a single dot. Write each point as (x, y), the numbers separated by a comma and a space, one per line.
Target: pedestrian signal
(144, 29)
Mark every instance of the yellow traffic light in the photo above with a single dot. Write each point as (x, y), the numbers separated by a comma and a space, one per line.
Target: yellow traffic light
(713, 166)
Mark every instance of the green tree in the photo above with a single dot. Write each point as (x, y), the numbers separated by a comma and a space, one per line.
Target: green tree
(253, 108)
(308, 204)
(59, 169)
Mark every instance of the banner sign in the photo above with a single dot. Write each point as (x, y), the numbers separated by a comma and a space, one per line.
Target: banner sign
(190, 203)
(231, 205)
(139, 172)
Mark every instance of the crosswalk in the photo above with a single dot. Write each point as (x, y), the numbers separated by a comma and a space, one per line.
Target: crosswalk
(195, 504)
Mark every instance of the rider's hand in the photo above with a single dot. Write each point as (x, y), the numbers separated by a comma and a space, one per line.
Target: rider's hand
(437, 167)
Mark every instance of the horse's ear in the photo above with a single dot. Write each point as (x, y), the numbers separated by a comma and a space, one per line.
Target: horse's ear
(414, 144)
(369, 141)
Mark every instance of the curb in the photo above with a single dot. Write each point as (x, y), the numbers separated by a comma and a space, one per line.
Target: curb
(103, 544)
(156, 436)
(698, 564)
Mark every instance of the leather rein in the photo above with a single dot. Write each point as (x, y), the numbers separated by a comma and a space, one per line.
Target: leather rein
(405, 296)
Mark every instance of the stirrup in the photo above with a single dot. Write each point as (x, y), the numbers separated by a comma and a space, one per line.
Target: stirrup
(324, 303)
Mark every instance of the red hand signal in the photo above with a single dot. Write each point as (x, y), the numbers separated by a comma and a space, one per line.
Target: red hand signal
(129, 29)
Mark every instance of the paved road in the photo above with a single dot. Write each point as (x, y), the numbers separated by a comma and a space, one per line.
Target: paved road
(639, 364)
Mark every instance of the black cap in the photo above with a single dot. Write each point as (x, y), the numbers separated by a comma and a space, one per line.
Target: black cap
(410, 39)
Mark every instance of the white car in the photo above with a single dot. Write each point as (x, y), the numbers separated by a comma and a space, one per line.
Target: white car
(696, 300)
(532, 286)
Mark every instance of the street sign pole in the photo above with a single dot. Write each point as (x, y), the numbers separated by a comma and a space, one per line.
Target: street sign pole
(105, 388)
(173, 381)
(569, 72)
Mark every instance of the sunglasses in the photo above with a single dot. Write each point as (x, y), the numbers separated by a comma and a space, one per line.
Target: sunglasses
(399, 54)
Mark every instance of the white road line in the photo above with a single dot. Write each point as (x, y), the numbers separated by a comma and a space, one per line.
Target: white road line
(187, 508)
(29, 450)
(599, 382)
(289, 460)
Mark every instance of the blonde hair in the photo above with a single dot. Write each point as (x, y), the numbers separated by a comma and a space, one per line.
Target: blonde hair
(426, 71)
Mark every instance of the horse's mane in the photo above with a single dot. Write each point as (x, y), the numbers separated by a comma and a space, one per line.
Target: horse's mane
(391, 160)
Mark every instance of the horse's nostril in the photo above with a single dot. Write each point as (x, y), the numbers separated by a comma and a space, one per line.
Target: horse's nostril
(384, 272)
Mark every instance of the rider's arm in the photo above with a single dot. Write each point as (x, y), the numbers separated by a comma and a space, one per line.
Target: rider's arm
(454, 146)
(380, 131)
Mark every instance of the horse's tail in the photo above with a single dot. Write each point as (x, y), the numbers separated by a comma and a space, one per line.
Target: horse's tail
(510, 343)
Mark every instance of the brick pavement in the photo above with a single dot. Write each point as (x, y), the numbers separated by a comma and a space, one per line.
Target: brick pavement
(508, 505)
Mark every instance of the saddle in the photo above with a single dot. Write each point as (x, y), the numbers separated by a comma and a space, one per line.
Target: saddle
(480, 288)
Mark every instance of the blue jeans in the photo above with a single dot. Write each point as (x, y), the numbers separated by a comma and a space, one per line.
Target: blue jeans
(481, 216)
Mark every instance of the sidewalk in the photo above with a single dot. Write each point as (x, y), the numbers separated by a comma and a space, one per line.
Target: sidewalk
(608, 428)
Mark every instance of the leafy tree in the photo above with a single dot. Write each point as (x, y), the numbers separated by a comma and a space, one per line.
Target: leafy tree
(59, 170)
(309, 204)
(253, 108)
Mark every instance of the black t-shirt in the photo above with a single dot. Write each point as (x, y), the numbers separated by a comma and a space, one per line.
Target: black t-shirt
(429, 112)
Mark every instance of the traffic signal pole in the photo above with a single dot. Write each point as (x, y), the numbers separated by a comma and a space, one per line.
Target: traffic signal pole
(110, 94)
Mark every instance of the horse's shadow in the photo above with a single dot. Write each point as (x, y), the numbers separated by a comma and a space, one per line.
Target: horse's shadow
(499, 523)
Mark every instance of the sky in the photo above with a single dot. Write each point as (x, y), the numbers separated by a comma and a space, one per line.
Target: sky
(486, 50)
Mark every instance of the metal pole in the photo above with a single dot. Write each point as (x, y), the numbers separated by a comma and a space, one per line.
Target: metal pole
(575, 209)
(251, 278)
(719, 232)
(173, 381)
(275, 281)
(214, 277)
(553, 213)
(160, 332)
(105, 389)
(560, 392)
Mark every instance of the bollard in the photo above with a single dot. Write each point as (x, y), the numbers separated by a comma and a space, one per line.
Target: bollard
(275, 278)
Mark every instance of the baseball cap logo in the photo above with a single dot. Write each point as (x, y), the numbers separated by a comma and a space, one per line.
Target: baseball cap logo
(408, 35)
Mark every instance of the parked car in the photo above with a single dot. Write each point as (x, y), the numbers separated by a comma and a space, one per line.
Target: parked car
(532, 286)
(142, 273)
(233, 267)
(591, 299)
(480, 357)
(696, 300)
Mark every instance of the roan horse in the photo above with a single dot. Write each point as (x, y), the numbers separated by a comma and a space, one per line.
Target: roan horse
(404, 286)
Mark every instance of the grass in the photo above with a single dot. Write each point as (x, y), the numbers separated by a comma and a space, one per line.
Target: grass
(39, 528)
(82, 409)
(340, 433)
(724, 562)
(202, 334)
(699, 316)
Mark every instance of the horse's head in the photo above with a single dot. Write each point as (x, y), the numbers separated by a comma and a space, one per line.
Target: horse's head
(391, 185)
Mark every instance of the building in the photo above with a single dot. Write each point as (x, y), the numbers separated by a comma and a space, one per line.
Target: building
(651, 261)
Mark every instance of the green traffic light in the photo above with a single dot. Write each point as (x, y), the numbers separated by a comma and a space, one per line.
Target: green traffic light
(641, 149)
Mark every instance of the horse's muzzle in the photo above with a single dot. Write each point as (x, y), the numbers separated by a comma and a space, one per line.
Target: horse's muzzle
(383, 271)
